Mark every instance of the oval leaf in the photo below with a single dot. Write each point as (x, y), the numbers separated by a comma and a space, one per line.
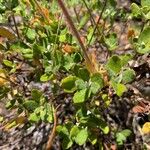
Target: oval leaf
(30, 105)
(143, 45)
(114, 64)
(80, 96)
(128, 76)
(68, 84)
(81, 137)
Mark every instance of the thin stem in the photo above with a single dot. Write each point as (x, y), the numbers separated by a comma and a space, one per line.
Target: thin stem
(98, 22)
(17, 31)
(76, 34)
(59, 24)
(52, 135)
(92, 19)
(77, 15)
(89, 11)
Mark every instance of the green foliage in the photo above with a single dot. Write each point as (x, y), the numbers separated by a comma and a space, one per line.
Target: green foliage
(143, 45)
(80, 96)
(111, 41)
(122, 136)
(128, 76)
(30, 105)
(97, 83)
(136, 11)
(119, 88)
(114, 64)
(68, 84)
(42, 49)
(142, 11)
(81, 136)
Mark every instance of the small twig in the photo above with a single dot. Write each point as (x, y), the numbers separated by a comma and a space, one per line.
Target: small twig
(100, 17)
(76, 34)
(92, 19)
(52, 135)
(14, 20)
(89, 11)
(77, 15)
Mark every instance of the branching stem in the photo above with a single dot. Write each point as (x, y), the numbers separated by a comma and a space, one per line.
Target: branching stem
(100, 17)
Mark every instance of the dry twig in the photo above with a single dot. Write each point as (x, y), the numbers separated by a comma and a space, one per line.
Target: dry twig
(53, 133)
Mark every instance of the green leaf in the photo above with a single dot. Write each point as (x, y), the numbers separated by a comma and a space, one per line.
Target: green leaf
(119, 88)
(14, 3)
(68, 84)
(36, 95)
(67, 143)
(147, 15)
(27, 53)
(97, 82)
(8, 63)
(58, 59)
(80, 84)
(90, 35)
(34, 117)
(122, 136)
(105, 128)
(83, 74)
(31, 34)
(77, 57)
(62, 38)
(64, 133)
(143, 45)
(45, 77)
(114, 64)
(94, 87)
(30, 105)
(93, 121)
(93, 139)
(37, 51)
(136, 11)
(74, 131)
(111, 41)
(128, 76)
(43, 113)
(68, 62)
(101, 124)
(82, 112)
(83, 20)
(49, 112)
(80, 96)
(125, 58)
(81, 136)
(145, 3)
(62, 130)
(113, 3)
